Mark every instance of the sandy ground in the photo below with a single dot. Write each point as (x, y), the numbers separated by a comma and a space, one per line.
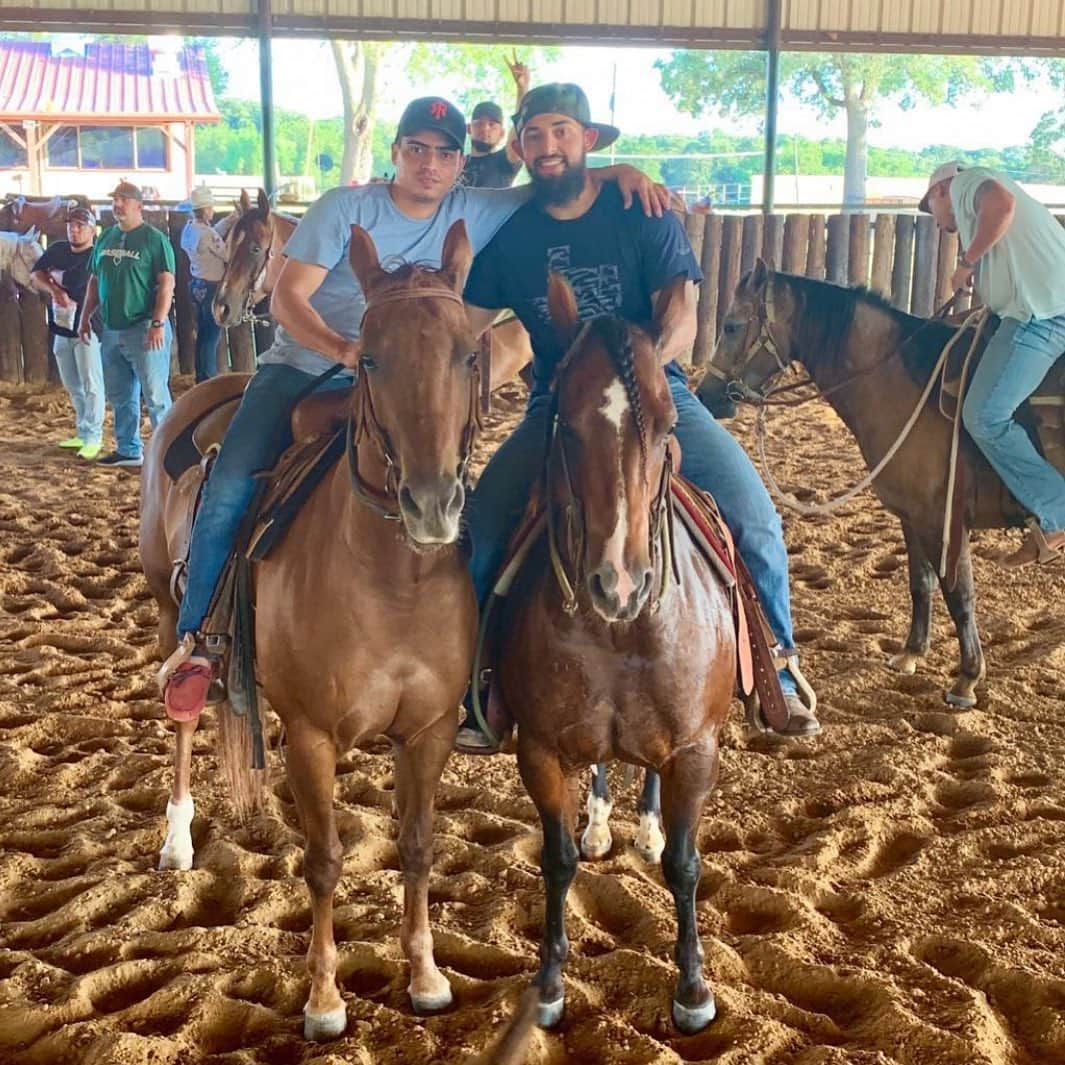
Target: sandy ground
(892, 892)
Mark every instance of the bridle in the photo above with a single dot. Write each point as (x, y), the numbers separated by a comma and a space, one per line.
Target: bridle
(661, 524)
(363, 422)
(248, 315)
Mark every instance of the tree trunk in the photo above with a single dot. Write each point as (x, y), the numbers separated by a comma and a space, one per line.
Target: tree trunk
(357, 66)
(854, 173)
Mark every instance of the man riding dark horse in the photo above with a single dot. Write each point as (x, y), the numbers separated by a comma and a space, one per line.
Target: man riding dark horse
(319, 305)
(1014, 251)
(616, 264)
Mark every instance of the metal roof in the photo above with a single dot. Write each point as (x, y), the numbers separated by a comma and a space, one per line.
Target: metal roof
(1008, 27)
(109, 83)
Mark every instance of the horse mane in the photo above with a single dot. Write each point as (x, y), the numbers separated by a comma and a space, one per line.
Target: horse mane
(828, 313)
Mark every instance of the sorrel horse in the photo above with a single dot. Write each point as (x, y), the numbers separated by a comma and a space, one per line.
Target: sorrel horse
(872, 362)
(365, 613)
(253, 259)
(608, 650)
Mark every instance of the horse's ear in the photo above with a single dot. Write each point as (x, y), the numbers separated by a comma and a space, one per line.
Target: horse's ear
(364, 261)
(562, 305)
(245, 201)
(673, 309)
(264, 202)
(457, 258)
(759, 276)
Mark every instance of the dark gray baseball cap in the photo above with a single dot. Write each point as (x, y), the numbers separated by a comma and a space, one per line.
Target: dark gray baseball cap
(563, 98)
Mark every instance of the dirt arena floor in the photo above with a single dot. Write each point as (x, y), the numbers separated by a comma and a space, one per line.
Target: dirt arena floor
(892, 892)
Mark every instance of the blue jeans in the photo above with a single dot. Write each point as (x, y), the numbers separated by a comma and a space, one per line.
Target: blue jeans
(130, 369)
(207, 329)
(259, 433)
(1018, 357)
(712, 460)
(81, 372)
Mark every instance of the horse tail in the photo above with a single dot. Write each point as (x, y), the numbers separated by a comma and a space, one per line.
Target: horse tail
(246, 785)
(511, 1047)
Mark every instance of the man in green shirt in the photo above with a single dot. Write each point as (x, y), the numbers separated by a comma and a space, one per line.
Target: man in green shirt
(132, 284)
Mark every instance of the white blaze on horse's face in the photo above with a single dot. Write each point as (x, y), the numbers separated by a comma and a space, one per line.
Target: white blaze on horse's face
(614, 407)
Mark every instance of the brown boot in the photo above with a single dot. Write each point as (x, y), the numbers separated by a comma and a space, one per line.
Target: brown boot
(1038, 546)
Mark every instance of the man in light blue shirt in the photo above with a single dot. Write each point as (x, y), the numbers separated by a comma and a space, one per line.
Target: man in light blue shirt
(319, 305)
(1014, 251)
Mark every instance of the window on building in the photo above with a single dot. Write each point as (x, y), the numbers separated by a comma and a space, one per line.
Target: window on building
(107, 147)
(12, 154)
(151, 148)
(62, 147)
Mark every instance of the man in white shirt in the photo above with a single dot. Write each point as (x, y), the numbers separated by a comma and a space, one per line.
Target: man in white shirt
(1014, 251)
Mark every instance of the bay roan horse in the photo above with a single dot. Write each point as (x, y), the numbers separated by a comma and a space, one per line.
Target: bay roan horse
(365, 614)
(253, 259)
(872, 361)
(639, 665)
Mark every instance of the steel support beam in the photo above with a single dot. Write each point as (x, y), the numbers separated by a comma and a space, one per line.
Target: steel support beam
(266, 92)
(772, 98)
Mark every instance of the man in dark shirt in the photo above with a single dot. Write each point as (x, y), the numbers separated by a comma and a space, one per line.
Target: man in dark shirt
(63, 274)
(616, 262)
(488, 166)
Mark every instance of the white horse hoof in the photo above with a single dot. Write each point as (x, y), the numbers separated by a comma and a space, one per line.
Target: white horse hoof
(179, 858)
(649, 841)
(432, 1003)
(905, 663)
(694, 1019)
(595, 847)
(548, 1014)
(597, 840)
(321, 1026)
(963, 702)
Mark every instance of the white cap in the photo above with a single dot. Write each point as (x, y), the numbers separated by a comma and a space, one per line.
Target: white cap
(942, 173)
(201, 196)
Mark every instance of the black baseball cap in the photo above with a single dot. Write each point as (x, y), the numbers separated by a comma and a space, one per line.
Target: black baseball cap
(433, 112)
(563, 98)
(493, 112)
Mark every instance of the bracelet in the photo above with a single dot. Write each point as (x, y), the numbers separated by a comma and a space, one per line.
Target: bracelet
(968, 265)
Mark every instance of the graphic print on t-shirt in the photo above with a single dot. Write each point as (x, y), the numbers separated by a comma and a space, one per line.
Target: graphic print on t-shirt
(596, 288)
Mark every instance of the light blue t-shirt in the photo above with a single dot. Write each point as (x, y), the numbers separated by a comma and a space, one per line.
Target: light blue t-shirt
(324, 233)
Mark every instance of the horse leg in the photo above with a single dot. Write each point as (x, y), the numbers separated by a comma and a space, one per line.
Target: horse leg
(418, 769)
(311, 770)
(597, 840)
(961, 604)
(649, 840)
(686, 781)
(547, 786)
(922, 581)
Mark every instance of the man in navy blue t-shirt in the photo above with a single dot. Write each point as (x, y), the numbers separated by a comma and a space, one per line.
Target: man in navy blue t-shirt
(616, 262)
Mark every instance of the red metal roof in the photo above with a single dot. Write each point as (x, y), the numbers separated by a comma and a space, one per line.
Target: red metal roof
(111, 84)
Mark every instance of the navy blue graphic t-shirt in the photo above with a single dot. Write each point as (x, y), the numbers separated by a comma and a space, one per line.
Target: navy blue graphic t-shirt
(615, 259)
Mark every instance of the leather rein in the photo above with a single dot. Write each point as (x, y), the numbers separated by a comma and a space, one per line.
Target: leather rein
(661, 525)
(363, 423)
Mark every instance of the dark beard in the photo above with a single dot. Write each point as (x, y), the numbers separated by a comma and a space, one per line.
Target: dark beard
(556, 191)
(482, 146)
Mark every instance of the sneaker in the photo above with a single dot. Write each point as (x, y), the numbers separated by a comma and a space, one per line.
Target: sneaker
(115, 459)
(72, 443)
(90, 452)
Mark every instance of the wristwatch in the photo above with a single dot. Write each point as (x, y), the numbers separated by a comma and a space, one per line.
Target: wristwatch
(157, 323)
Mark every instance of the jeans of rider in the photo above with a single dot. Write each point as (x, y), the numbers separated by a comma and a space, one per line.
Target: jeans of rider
(259, 433)
(1016, 360)
(207, 329)
(131, 369)
(712, 460)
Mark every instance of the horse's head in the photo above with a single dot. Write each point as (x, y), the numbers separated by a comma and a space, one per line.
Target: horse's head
(416, 396)
(753, 347)
(607, 473)
(26, 253)
(249, 249)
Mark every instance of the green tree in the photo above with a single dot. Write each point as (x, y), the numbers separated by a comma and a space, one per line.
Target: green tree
(733, 83)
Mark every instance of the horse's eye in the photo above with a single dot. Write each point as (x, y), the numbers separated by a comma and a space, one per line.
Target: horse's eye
(256, 250)
(367, 362)
(732, 328)
(471, 359)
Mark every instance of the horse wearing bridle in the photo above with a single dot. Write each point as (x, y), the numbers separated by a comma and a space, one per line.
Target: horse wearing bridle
(253, 259)
(875, 366)
(365, 616)
(616, 641)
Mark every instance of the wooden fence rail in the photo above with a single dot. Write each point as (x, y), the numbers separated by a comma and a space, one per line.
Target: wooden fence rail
(903, 257)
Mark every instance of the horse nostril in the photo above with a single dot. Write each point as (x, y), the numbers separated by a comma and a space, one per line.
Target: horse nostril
(457, 501)
(595, 585)
(645, 586)
(408, 503)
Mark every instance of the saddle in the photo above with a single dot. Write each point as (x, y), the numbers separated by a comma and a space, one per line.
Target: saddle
(698, 512)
